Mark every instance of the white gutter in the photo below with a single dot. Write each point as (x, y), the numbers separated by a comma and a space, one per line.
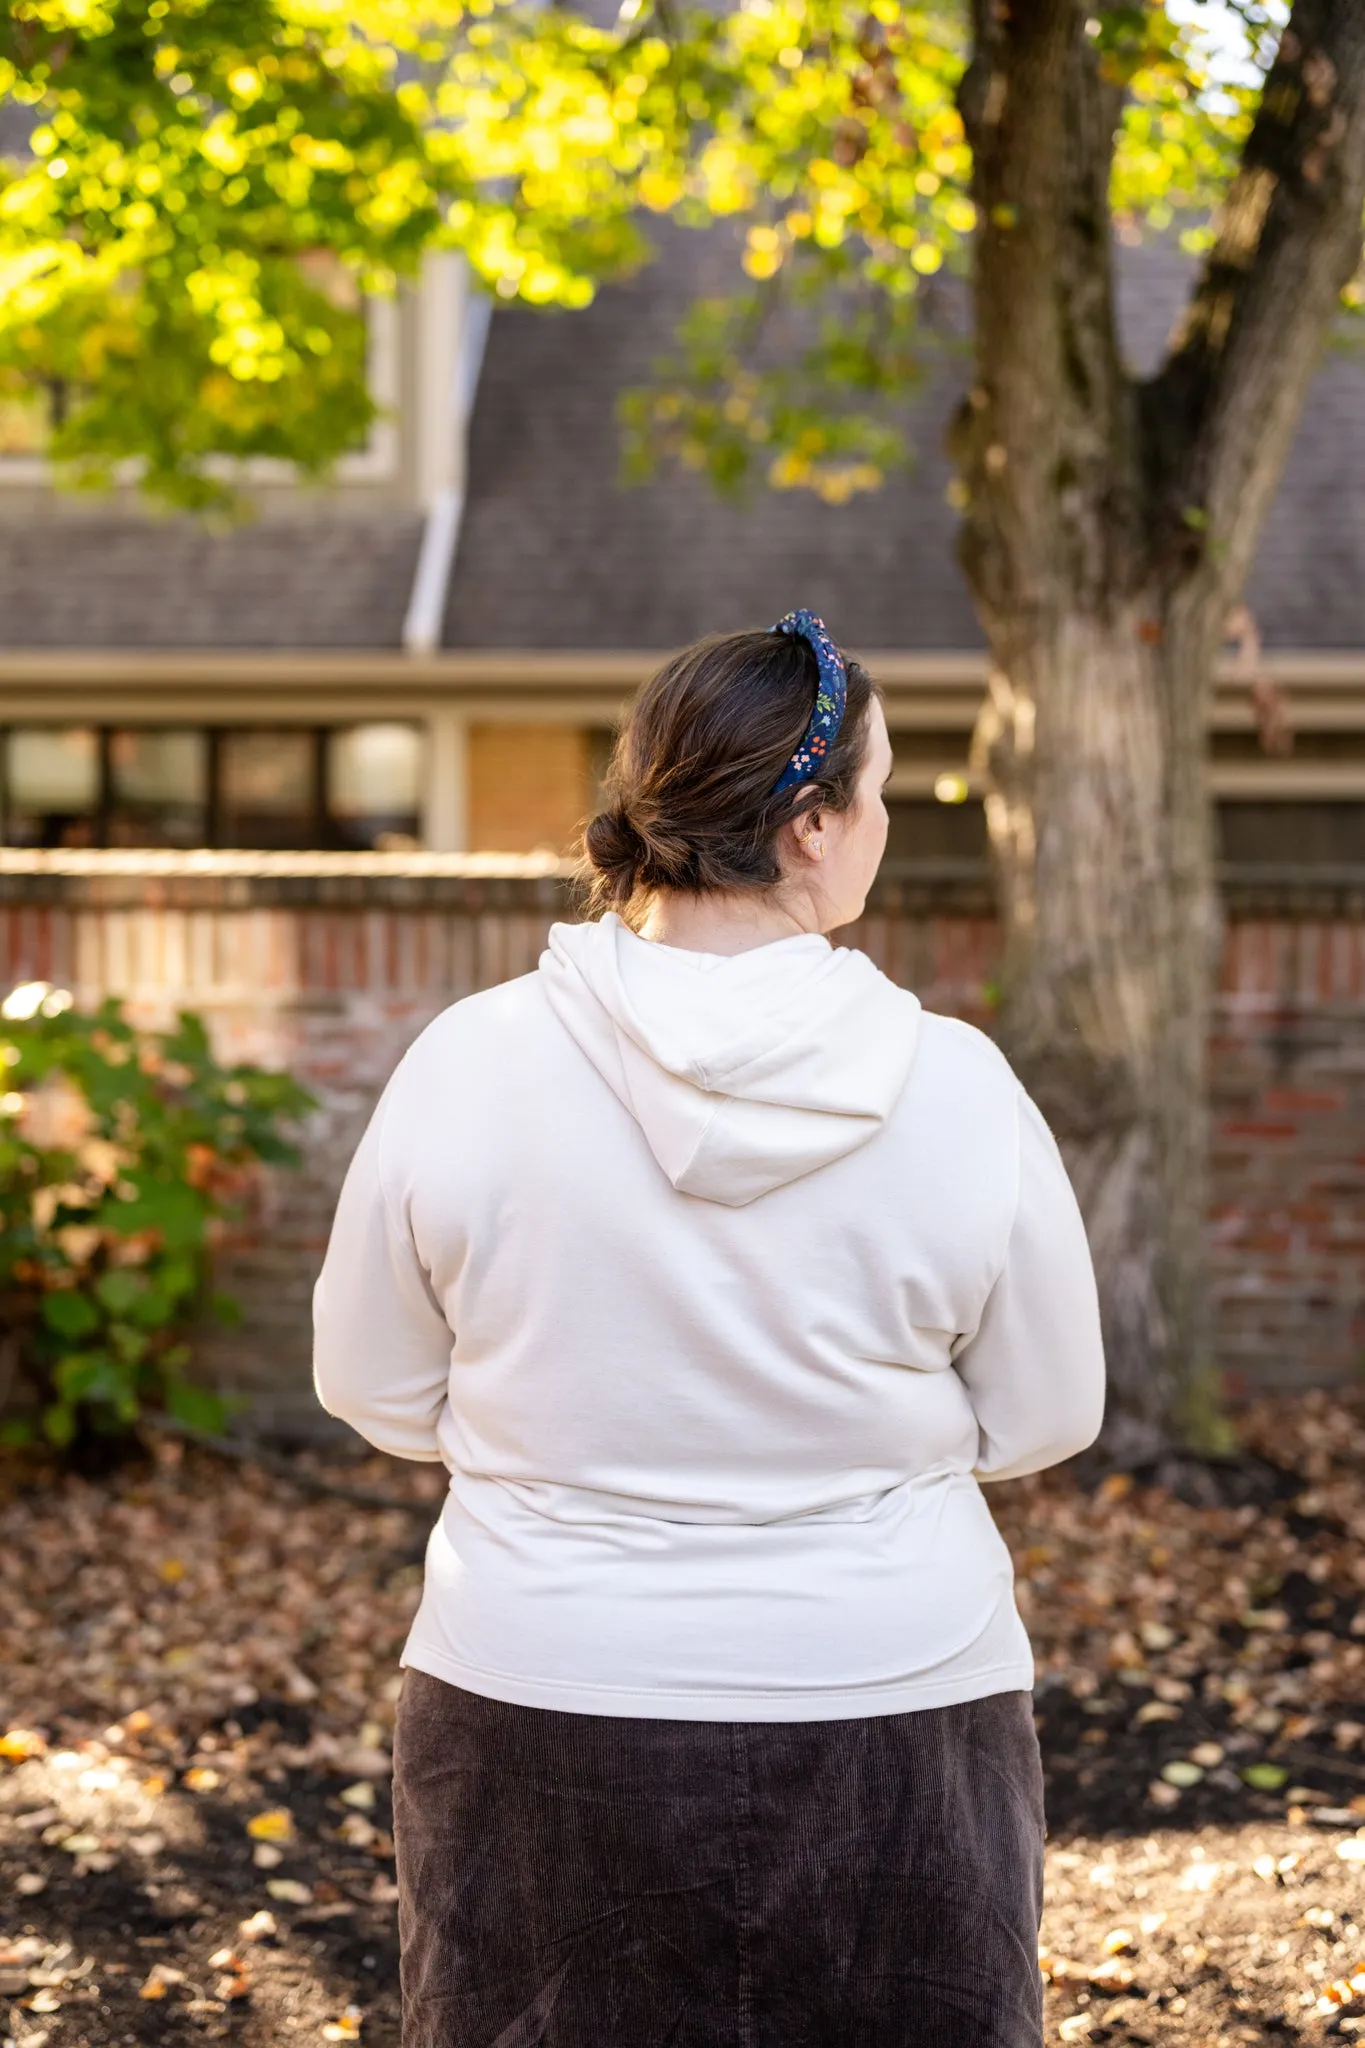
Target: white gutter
(448, 383)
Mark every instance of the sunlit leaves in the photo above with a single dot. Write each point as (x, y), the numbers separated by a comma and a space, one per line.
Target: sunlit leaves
(189, 153)
(823, 132)
(814, 119)
(1182, 128)
(797, 383)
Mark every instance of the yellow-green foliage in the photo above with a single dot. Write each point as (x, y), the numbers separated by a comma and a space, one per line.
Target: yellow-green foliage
(187, 155)
(190, 152)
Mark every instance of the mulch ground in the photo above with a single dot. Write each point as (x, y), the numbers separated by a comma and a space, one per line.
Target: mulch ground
(198, 1670)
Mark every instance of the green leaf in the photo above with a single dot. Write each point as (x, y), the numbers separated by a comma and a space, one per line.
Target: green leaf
(195, 1406)
(88, 1376)
(191, 1039)
(120, 1290)
(130, 1344)
(59, 1423)
(1264, 1777)
(226, 1309)
(17, 1432)
(177, 1212)
(177, 1276)
(276, 1151)
(70, 1315)
(155, 1308)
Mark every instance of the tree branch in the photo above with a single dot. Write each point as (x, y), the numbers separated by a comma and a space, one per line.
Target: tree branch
(1220, 416)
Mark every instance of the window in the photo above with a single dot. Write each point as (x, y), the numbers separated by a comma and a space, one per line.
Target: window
(255, 787)
(157, 787)
(1266, 833)
(52, 786)
(267, 789)
(1292, 834)
(375, 784)
(926, 831)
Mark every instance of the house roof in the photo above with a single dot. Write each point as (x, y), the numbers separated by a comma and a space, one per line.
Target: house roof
(117, 579)
(557, 552)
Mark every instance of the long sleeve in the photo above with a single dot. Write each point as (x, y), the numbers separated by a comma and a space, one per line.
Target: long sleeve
(381, 1345)
(1034, 1366)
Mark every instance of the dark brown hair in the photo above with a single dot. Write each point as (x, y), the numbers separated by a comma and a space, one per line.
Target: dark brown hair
(690, 801)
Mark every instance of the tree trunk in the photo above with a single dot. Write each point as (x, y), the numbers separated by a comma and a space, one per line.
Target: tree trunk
(1109, 527)
(1100, 838)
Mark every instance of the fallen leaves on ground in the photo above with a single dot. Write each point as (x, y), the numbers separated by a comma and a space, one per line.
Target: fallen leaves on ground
(201, 1673)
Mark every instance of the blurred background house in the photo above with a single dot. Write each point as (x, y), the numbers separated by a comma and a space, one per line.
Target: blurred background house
(431, 651)
(310, 773)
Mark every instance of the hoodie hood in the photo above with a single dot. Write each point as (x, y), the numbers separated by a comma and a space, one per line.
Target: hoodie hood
(744, 1071)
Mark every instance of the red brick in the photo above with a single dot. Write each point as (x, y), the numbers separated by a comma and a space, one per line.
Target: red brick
(1291, 1101)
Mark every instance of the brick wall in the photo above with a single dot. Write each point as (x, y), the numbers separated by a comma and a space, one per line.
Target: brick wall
(1288, 1223)
(332, 975)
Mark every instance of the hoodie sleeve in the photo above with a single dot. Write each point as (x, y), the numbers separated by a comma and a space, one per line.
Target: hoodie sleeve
(1034, 1366)
(381, 1344)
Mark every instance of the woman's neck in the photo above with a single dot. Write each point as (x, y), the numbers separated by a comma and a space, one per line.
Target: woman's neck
(718, 923)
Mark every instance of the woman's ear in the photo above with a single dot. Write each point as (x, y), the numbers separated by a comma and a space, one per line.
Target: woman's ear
(810, 834)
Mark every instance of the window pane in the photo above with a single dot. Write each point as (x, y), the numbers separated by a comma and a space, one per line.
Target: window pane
(158, 788)
(52, 785)
(925, 830)
(1292, 834)
(374, 776)
(266, 789)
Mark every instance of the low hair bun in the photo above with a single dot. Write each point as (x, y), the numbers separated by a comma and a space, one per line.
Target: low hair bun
(615, 853)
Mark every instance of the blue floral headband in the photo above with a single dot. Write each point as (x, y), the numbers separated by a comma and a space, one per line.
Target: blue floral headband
(830, 698)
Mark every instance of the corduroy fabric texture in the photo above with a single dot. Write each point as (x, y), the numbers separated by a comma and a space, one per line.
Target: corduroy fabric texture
(585, 1881)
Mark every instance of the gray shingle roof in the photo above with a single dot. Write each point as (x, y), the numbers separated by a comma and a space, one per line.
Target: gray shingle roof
(115, 579)
(556, 552)
(1308, 584)
(16, 125)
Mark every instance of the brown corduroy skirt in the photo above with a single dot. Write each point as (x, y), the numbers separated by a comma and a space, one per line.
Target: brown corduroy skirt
(582, 1881)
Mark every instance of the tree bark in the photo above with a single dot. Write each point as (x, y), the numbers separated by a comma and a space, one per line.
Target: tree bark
(1108, 531)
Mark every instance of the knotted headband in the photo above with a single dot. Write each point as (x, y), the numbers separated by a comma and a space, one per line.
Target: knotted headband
(830, 698)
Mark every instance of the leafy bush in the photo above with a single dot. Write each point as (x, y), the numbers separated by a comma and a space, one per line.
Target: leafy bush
(123, 1154)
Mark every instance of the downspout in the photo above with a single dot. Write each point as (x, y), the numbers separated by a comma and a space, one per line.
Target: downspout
(448, 383)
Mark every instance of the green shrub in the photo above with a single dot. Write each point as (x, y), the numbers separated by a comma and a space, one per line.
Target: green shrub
(123, 1156)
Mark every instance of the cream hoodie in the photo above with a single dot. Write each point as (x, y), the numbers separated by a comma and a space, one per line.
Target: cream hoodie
(717, 1284)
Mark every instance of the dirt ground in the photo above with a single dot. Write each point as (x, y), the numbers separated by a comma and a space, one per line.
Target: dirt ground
(198, 1669)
